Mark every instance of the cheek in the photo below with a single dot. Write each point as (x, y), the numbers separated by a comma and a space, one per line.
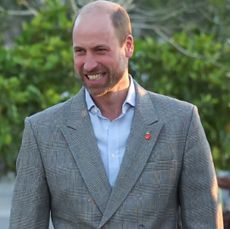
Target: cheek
(78, 63)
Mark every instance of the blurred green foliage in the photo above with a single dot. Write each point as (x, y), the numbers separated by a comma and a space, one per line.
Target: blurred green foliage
(199, 73)
(37, 72)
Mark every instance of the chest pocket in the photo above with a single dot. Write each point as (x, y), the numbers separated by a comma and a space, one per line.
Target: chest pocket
(159, 174)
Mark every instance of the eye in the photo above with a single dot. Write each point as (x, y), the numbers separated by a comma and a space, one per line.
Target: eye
(79, 51)
(101, 50)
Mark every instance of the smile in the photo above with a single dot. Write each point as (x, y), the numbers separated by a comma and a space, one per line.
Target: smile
(95, 76)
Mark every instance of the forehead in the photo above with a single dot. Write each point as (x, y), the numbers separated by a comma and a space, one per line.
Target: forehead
(88, 26)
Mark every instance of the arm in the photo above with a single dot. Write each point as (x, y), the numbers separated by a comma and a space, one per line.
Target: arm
(30, 204)
(198, 185)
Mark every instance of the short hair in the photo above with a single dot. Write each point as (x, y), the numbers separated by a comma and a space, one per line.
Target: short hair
(118, 15)
(121, 22)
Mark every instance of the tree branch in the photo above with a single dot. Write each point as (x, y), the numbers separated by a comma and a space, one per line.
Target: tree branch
(18, 12)
(127, 4)
(26, 4)
(74, 6)
(172, 42)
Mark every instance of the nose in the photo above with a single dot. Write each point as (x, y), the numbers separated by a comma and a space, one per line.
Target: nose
(90, 63)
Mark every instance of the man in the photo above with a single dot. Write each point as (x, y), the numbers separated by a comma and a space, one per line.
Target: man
(115, 155)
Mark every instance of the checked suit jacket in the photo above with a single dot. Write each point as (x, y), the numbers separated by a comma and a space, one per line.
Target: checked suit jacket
(60, 172)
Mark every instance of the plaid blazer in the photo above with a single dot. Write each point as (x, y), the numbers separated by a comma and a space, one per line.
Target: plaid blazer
(59, 171)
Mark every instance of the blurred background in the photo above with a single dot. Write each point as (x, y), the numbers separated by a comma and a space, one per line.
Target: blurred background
(182, 49)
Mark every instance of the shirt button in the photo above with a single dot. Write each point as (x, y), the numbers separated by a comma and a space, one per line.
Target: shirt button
(94, 110)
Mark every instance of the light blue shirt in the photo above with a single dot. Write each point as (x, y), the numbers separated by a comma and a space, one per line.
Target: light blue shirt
(112, 135)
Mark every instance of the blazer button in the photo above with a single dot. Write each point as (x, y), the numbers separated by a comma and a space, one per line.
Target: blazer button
(141, 226)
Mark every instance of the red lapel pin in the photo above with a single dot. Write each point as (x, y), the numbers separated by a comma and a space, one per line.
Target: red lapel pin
(148, 136)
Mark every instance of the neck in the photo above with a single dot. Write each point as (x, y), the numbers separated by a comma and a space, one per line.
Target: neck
(111, 103)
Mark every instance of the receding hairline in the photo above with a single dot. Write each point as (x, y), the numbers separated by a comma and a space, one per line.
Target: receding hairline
(118, 15)
(99, 6)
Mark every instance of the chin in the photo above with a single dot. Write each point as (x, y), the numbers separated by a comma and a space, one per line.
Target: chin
(97, 93)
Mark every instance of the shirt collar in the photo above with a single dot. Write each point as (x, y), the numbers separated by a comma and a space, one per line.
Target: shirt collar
(130, 98)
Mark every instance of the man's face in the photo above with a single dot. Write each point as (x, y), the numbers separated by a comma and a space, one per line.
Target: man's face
(99, 58)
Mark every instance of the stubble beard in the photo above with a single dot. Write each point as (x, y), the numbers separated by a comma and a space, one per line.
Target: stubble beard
(114, 76)
(101, 90)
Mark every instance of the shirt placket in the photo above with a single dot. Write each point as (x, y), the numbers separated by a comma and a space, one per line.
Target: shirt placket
(113, 154)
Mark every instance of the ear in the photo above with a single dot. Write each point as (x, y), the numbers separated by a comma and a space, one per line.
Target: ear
(129, 46)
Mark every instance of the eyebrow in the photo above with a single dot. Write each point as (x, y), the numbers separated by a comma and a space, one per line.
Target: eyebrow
(101, 46)
(104, 46)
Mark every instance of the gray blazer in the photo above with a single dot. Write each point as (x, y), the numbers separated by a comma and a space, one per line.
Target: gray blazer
(59, 170)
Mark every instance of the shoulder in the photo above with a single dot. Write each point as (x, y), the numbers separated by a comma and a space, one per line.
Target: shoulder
(171, 109)
(51, 116)
(169, 103)
(59, 113)
(162, 102)
(165, 107)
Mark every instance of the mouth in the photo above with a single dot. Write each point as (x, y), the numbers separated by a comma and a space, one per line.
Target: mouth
(94, 76)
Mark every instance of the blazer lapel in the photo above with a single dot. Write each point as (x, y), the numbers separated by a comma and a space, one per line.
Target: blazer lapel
(79, 135)
(139, 148)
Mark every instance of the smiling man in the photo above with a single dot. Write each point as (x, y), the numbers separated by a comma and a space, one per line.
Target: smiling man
(101, 53)
(115, 155)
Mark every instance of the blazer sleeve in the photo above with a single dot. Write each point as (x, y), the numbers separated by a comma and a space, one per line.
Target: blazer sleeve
(30, 203)
(198, 195)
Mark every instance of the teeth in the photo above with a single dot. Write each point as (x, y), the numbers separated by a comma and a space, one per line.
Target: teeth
(95, 76)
